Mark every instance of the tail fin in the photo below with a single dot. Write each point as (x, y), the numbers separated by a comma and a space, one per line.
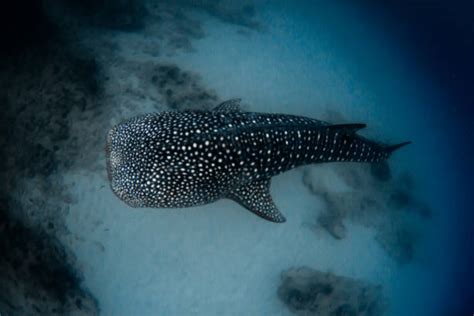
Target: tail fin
(381, 170)
(390, 149)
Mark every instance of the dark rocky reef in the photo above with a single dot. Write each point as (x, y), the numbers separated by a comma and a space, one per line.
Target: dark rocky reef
(24, 25)
(121, 15)
(332, 222)
(45, 82)
(35, 277)
(171, 25)
(310, 292)
(156, 86)
(181, 90)
(131, 15)
(44, 95)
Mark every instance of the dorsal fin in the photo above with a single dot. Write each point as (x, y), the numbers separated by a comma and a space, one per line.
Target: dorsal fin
(232, 105)
(255, 196)
(349, 128)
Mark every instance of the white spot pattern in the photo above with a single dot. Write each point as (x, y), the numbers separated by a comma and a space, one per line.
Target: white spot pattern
(182, 159)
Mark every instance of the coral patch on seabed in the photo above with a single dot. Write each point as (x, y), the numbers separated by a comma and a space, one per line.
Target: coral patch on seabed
(310, 292)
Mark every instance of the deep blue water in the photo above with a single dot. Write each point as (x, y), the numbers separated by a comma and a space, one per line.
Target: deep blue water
(442, 35)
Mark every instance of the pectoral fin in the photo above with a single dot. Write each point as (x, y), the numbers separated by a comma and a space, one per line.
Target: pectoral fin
(255, 196)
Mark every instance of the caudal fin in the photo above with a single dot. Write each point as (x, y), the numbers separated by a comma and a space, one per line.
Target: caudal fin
(381, 169)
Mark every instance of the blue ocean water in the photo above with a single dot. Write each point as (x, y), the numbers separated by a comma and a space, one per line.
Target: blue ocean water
(353, 243)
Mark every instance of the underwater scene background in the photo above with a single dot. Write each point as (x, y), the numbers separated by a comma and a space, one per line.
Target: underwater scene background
(358, 240)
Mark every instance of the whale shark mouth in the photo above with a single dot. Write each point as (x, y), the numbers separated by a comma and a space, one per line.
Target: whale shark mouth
(114, 162)
(109, 161)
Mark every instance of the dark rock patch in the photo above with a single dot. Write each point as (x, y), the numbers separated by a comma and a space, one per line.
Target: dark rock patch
(181, 90)
(333, 225)
(45, 94)
(310, 292)
(35, 277)
(24, 25)
(121, 15)
(46, 84)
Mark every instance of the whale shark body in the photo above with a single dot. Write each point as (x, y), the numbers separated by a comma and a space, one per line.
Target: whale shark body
(190, 158)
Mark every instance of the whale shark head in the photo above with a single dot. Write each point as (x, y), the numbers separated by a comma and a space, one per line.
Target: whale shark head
(124, 177)
(140, 172)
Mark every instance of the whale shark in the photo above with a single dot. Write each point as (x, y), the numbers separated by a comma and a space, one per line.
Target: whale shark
(190, 158)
